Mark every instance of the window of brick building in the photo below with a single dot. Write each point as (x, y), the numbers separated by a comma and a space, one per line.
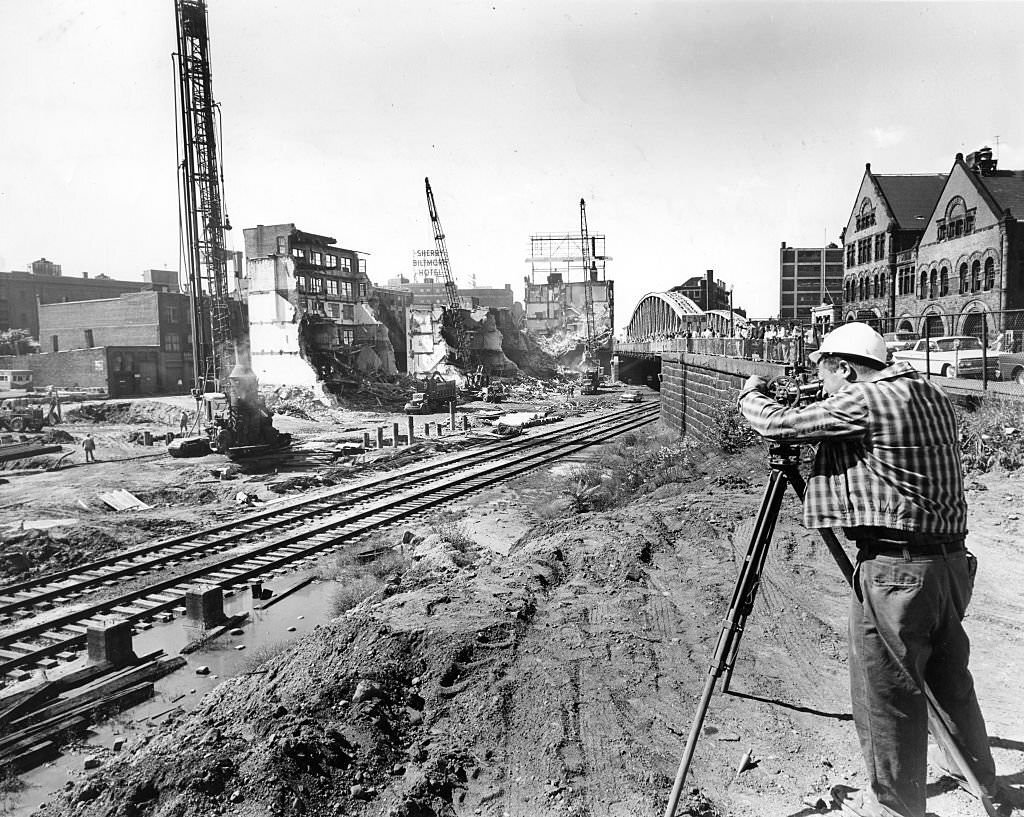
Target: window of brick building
(850, 250)
(881, 285)
(362, 266)
(55, 343)
(348, 312)
(975, 276)
(933, 284)
(172, 342)
(282, 245)
(332, 261)
(298, 252)
(347, 336)
(89, 342)
(317, 258)
(332, 286)
(990, 273)
(880, 246)
(334, 309)
(944, 281)
(963, 279)
(362, 289)
(346, 290)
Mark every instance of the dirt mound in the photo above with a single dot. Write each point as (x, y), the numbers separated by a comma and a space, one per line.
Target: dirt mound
(56, 436)
(42, 551)
(126, 412)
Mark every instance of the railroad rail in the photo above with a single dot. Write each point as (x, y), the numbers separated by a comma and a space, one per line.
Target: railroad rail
(274, 538)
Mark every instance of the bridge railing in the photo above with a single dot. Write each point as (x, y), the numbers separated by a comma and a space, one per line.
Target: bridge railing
(772, 350)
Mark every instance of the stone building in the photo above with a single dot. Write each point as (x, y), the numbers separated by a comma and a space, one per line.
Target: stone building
(969, 262)
(889, 216)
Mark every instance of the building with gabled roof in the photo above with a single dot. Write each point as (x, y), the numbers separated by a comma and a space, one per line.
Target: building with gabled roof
(888, 217)
(968, 265)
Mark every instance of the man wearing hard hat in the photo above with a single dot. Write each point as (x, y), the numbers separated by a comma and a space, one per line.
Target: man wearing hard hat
(887, 471)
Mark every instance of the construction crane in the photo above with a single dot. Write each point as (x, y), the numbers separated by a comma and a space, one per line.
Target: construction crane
(236, 422)
(589, 266)
(459, 354)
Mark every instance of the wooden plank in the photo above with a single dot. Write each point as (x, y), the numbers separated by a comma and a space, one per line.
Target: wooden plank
(35, 755)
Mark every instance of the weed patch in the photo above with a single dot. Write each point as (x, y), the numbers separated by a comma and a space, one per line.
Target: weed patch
(991, 437)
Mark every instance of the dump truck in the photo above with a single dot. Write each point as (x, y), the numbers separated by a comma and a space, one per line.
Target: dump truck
(431, 394)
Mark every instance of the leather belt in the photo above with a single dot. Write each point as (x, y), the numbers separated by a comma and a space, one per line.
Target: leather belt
(938, 547)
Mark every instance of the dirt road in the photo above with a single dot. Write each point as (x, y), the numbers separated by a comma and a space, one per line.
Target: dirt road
(562, 678)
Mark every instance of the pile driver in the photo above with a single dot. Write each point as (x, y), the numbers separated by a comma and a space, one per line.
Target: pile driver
(234, 418)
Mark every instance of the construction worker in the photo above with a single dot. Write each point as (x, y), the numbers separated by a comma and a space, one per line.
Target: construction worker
(55, 412)
(183, 422)
(89, 446)
(888, 472)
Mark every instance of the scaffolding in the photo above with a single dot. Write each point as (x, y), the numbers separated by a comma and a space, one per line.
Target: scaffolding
(563, 253)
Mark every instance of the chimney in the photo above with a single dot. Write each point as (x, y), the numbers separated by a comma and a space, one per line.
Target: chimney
(85, 275)
(783, 245)
(981, 161)
(709, 278)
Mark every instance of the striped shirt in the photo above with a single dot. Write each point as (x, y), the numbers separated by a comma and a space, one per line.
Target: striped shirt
(888, 453)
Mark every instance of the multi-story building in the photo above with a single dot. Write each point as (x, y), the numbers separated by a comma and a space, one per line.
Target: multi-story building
(808, 277)
(137, 343)
(430, 292)
(559, 306)
(21, 292)
(309, 318)
(705, 291)
(889, 216)
(962, 260)
(44, 267)
(969, 263)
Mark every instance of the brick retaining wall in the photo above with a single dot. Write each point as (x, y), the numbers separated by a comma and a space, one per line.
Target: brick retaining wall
(692, 386)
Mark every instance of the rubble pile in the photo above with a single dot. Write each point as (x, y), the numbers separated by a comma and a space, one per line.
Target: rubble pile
(127, 412)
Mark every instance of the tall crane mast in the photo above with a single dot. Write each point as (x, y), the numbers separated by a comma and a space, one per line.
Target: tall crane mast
(461, 351)
(588, 288)
(202, 194)
(237, 422)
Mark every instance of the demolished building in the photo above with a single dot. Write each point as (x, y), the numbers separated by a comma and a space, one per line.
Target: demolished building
(310, 319)
(556, 295)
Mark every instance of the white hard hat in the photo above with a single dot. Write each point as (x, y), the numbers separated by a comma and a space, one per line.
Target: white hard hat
(856, 340)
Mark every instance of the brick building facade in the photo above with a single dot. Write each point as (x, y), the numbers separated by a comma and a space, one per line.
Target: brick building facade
(154, 325)
(20, 292)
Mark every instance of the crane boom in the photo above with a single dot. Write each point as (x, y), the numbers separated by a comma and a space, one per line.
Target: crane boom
(461, 351)
(588, 289)
(203, 202)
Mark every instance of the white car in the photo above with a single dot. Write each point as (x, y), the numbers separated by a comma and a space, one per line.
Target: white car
(951, 356)
(631, 396)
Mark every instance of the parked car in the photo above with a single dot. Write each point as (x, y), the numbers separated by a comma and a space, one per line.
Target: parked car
(631, 396)
(1010, 348)
(951, 356)
(898, 341)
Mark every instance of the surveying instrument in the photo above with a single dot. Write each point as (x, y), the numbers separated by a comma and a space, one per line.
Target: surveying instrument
(784, 461)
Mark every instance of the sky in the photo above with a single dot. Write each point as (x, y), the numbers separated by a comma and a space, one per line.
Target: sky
(702, 135)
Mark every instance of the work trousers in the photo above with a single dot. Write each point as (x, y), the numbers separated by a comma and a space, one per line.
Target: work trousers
(905, 626)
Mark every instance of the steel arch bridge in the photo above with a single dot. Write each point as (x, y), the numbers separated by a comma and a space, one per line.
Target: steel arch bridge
(662, 314)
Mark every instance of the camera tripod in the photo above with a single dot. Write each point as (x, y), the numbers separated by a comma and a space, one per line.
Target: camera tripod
(784, 460)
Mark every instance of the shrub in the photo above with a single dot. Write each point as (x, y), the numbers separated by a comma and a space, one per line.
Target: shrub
(730, 431)
(447, 526)
(351, 592)
(992, 436)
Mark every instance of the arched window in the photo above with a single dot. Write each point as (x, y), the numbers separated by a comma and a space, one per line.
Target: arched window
(975, 276)
(881, 286)
(990, 272)
(933, 285)
(874, 286)
(944, 281)
(963, 278)
(924, 284)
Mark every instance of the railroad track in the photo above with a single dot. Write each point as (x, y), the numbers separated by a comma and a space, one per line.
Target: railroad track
(271, 539)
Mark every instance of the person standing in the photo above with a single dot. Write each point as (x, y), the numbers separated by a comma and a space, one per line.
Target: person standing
(55, 413)
(888, 472)
(89, 446)
(183, 422)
